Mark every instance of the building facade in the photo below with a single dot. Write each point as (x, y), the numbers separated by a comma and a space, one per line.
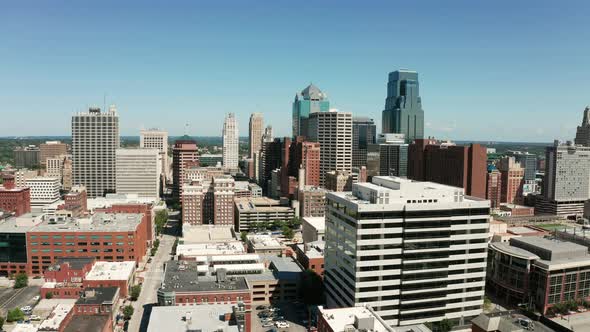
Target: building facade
(389, 157)
(310, 100)
(26, 157)
(138, 172)
(364, 133)
(231, 142)
(44, 190)
(403, 112)
(184, 154)
(14, 199)
(95, 138)
(157, 139)
(413, 251)
(583, 131)
(209, 201)
(494, 187)
(51, 149)
(512, 180)
(255, 131)
(312, 201)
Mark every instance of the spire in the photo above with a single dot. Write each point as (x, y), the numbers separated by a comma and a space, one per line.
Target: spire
(586, 120)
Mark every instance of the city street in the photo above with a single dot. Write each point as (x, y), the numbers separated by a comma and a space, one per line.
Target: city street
(152, 278)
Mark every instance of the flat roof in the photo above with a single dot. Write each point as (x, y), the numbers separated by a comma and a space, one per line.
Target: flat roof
(182, 276)
(206, 233)
(319, 223)
(523, 230)
(76, 263)
(111, 271)
(313, 249)
(339, 318)
(99, 222)
(513, 251)
(98, 295)
(264, 242)
(213, 248)
(25, 328)
(183, 318)
(260, 204)
(87, 323)
(56, 317)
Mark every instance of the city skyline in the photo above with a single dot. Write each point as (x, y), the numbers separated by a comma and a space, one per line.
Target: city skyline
(197, 68)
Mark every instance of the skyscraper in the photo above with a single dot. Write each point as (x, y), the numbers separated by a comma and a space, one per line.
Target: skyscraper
(156, 139)
(333, 130)
(255, 131)
(364, 133)
(184, 155)
(138, 172)
(403, 112)
(583, 131)
(95, 138)
(512, 180)
(394, 244)
(389, 157)
(230, 142)
(310, 100)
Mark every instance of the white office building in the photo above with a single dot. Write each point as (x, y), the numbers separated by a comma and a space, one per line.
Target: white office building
(157, 139)
(230, 142)
(138, 172)
(95, 137)
(333, 130)
(413, 251)
(44, 190)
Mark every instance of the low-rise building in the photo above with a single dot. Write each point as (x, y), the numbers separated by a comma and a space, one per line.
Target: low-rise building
(264, 244)
(44, 190)
(516, 210)
(313, 229)
(249, 211)
(212, 317)
(191, 250)
(338, 181)
(13, 240)
(58, 319)
(311, 256)
(357, 319)
(97, 301)
(14, 199)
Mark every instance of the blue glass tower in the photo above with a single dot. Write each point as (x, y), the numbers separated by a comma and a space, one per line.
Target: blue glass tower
(403, 112)
(310, 100)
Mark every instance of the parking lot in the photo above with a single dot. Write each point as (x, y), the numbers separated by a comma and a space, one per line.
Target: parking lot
(17, 298)
(295, 315)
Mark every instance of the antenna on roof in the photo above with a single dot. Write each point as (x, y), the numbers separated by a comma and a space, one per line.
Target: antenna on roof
(104, 101)
(186, 126)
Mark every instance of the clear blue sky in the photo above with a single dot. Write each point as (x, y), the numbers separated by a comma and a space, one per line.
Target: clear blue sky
(489, 70)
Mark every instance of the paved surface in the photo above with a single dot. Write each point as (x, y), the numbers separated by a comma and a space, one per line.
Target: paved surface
(17, 298)
(152, 280)
(294, 314)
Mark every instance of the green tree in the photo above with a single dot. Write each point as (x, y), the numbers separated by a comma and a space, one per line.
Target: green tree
(312, 288)
(277, 224)
(127, 312)
(1, 322)
(295, 222)
(445, 325)
(244, 237)
(135, 291)
(21, 280)
(49, 295)
(487, 303)
(288, 232)
(15, 315)
(160, 220)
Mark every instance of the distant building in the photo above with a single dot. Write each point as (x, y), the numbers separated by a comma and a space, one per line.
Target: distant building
(138, 171)
(338, 181)
(310, 100)
(312, 201)
(389, 157)
(156, 139)
(528, 161)
(184, 154)
(209, 201)
(512, 180)
(494, 187)
(255, 131)
(230, 142)
(54, 167)
(51, 149)
(44, 190)
(250, 211)
(364, 133)
(95, 138)
(14, 199)
(210, 160)
(27, 157)
(403, 112)
(583, 131)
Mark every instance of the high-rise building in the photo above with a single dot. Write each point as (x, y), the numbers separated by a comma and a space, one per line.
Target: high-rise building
(310, 100)
(312, 201)
(333, 130)
(209, 201)
(299, 158)
(184, 154)
(95, 138)
(27, 157)
(403, 112)
(450, 164)
(364, 133)
(138, 172)
(389, 157)
(259, 158)
(156, 139)
(54, 167)
(385, 248)
(528, 161)
(270, 159)
(255, 131)
(67, 175)
(494, 187)
(566, 185)
(51, 149)
(512, 180)
(338, 181)
(231, 142)
(583, 131)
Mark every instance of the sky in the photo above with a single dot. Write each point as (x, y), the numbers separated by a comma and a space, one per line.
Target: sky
(488, 70)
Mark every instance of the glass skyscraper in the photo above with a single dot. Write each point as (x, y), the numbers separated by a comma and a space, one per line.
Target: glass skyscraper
(310, 100)
(403, 112)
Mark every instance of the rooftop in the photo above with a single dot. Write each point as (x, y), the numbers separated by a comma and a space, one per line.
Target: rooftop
(498, 321)
(98, 295)
(100, 222)
(260, 241)
(111, 271)
(260, 204)
(552, 254)
(207, 233)
(110, 199)
(25, 328)
(76, 263)
(313, 249)
(361, 318)
(56, 317)
(87, 323)
(194, 318)
(182, 276)
(212, 248)
(319, 223)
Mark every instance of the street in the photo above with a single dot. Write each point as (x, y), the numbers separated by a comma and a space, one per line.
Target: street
(17, 298)
(152, 278)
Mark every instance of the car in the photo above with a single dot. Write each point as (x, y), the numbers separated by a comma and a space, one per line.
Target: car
(282, 325)
(267, 324)
(26, 308)
(34, 317)
(279, 318)
(261, 307)
(36, 298)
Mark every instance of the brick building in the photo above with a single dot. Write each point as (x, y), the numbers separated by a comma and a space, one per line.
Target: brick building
(512, 180)
(494, 187)
(14, 199)
(311, 256)
(184, 154)
(209, 202)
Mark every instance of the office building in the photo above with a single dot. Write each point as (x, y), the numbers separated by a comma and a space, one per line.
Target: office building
(51, 149)
(156, 139)
(386, 248)
(310, 100)
(583, 131)
(22, 175)
(26, 157)
(184, 154)
(95, 138)
(209, 201)
(54, 167)
(231, 142)
(450, 164)
(364, 133)
(207, 159)
(494, 187)
(252, 211)
(389, 157)
(566, 185)
(312, 201)
(270, 160)
(512, 180)
(14, 199)
(67, 176)
(300, 155)
(13, 241)
(539, 272)
(44, 190)
(338, 181)
(528, 161)
(255, 131)
(138, 172)
(403, 112)
(333, 130)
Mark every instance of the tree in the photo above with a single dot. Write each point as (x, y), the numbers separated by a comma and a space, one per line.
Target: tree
(49, 295)
(15, 315)
(21, 280)
(277, 224)
(135, 291)
(312, 288)
(288, 232)
(445, 325)
(127, 312)
(487, 303)
(295, 222)
(244, 237)
(1, 322)
(160, 220)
